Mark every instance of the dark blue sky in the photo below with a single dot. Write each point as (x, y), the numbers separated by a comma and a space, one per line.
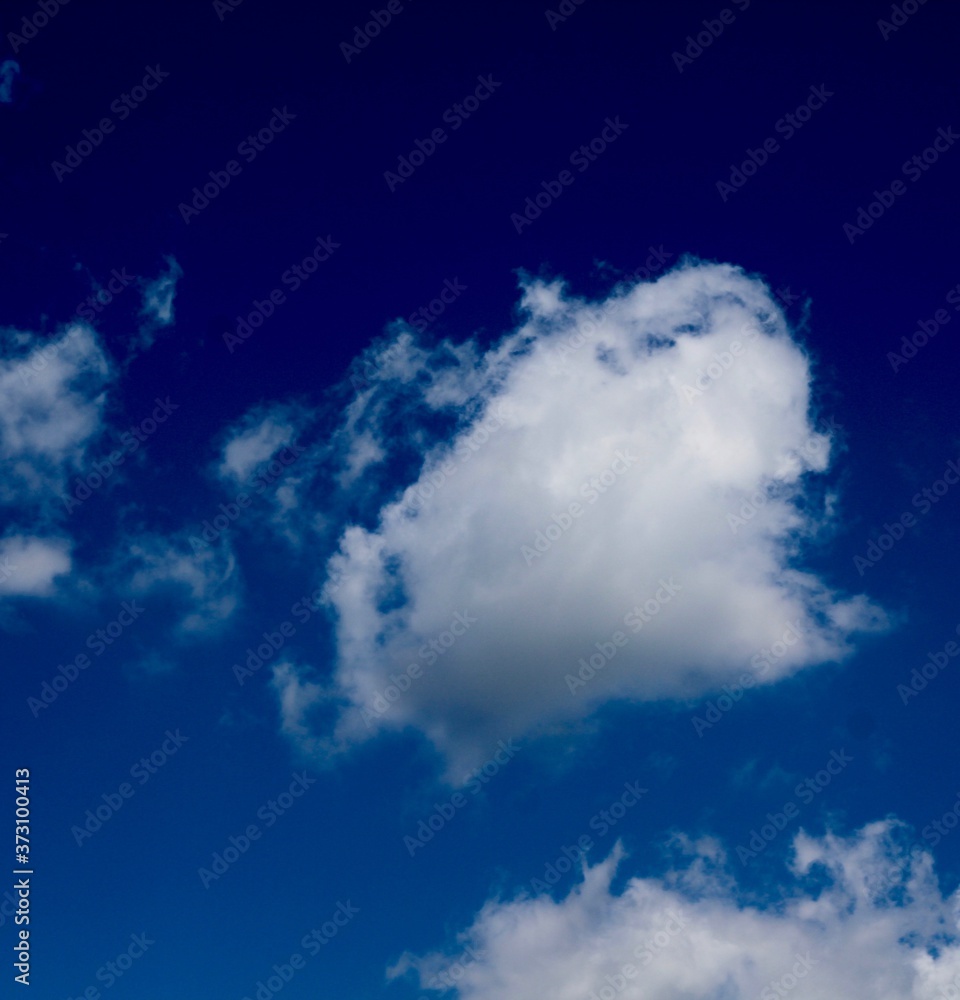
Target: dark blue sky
(769, 149)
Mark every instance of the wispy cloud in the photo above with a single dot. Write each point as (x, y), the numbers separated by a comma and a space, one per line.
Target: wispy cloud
(157, 309)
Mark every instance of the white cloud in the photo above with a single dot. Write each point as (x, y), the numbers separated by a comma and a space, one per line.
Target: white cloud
(29, 566)
(255, 440)
(659, 412)
(274, 454)
(865, 934)
(51, 408)
(297, 697)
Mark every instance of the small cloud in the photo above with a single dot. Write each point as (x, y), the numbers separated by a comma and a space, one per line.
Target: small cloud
(268, 454)
(157, 311)
(9, 71)
(29, 566)
(259, 436)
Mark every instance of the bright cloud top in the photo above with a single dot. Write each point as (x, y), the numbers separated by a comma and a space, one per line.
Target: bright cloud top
(578, 518)
(879, 930)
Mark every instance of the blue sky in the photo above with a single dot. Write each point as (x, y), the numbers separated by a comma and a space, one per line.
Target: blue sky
(479, 499)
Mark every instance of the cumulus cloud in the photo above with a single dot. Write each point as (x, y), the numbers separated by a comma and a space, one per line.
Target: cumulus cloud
(574, 496)
(52, 395)
(29, 565)
(860, 919)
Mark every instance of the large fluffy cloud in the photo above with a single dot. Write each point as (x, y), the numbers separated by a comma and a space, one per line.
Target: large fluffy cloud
(581, 509)
(862, 920)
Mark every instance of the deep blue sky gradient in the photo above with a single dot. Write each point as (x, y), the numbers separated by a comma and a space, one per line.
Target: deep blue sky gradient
(655, 187)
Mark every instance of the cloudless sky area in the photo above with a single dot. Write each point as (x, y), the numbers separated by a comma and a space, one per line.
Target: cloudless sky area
(362, 371)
